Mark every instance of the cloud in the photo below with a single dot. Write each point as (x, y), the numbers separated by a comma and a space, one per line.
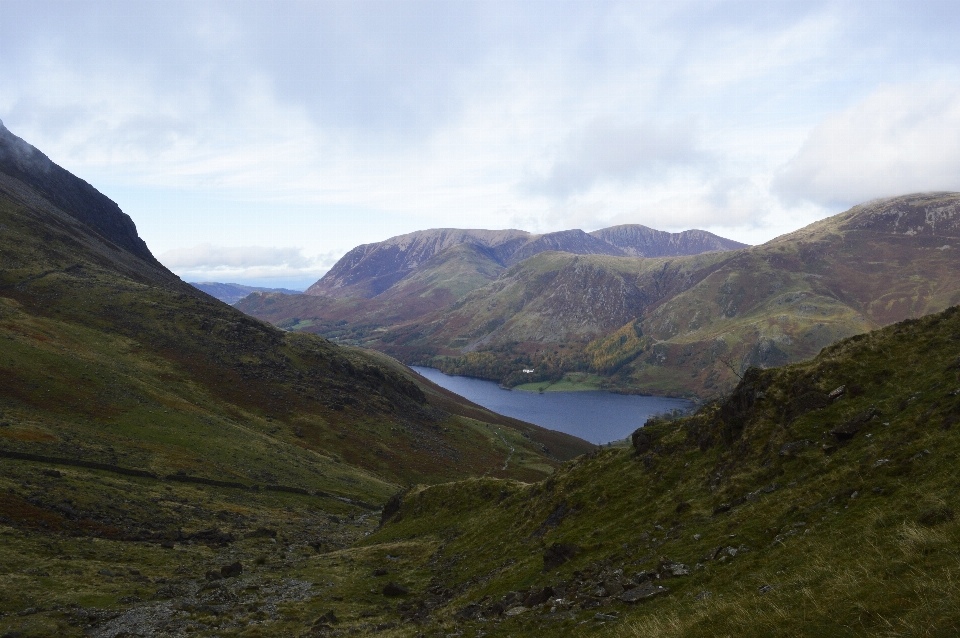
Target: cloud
(900, 139)
(609, 151)
(232, 263)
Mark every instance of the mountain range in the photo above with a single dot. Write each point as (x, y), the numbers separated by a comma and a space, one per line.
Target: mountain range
(232, 293)
(675, 323)
(370, 270)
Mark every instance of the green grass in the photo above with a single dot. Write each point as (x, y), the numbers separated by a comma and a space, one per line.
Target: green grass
(571, 382)
(847, 537)
(106, 360)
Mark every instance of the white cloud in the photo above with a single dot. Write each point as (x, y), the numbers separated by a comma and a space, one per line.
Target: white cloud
(606, 151)
(328, 124)
(900, 139)
(245, 263)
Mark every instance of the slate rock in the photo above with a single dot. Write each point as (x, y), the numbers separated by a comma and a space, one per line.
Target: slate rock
(231, 571)
(557, 554)
(641, 441)
(469, 612)
(847, 430)
(668, 568)
(644, 592)
(395, 589)
(539, 597)
(262, 532)
(328, 618)
(391, 508)
(612, 588)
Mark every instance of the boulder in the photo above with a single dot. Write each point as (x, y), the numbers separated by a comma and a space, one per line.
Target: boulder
(231, 571)
(644, 592)
(539, 597)
(557, 554)
(846, 431)
(612, 588)
(328, 618)
(395, 589)
(641, 441)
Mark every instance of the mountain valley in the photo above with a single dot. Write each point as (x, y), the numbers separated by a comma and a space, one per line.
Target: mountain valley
(679, 325)
(170, 466)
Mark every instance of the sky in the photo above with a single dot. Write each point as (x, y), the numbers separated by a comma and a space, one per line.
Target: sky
(257, 142)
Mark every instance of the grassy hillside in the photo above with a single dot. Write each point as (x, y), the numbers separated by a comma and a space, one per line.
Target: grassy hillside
(818, 499)
(150, 434)
(148, 363)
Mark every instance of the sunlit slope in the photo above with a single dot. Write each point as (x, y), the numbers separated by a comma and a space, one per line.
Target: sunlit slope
(434, 285)
(819, 498)
(873, 265)
(690, 325)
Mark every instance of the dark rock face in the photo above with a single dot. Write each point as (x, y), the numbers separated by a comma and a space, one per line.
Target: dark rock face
(76, 197)
(231, 571)
(393, 589)
(641, 441)
(538, 597)
(925, 214)
(557, 554)
(849, 429)
(391, 507)
(644, 592)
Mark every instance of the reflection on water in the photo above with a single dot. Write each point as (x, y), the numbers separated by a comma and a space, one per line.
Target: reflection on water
(598, 417)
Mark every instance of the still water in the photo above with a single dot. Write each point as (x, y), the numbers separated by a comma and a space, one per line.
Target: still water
(598, 417)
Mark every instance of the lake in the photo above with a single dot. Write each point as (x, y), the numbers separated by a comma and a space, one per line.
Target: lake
(598, 417)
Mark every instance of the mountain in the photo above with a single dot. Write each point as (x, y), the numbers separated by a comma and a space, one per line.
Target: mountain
(370, 270)
(406, 281)
(687, 325)
(816, 498)
(232, 293)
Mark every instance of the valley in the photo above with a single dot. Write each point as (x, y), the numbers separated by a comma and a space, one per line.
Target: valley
(170, 466)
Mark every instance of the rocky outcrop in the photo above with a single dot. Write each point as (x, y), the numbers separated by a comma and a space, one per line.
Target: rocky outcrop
(74, 196)
(639, 241)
